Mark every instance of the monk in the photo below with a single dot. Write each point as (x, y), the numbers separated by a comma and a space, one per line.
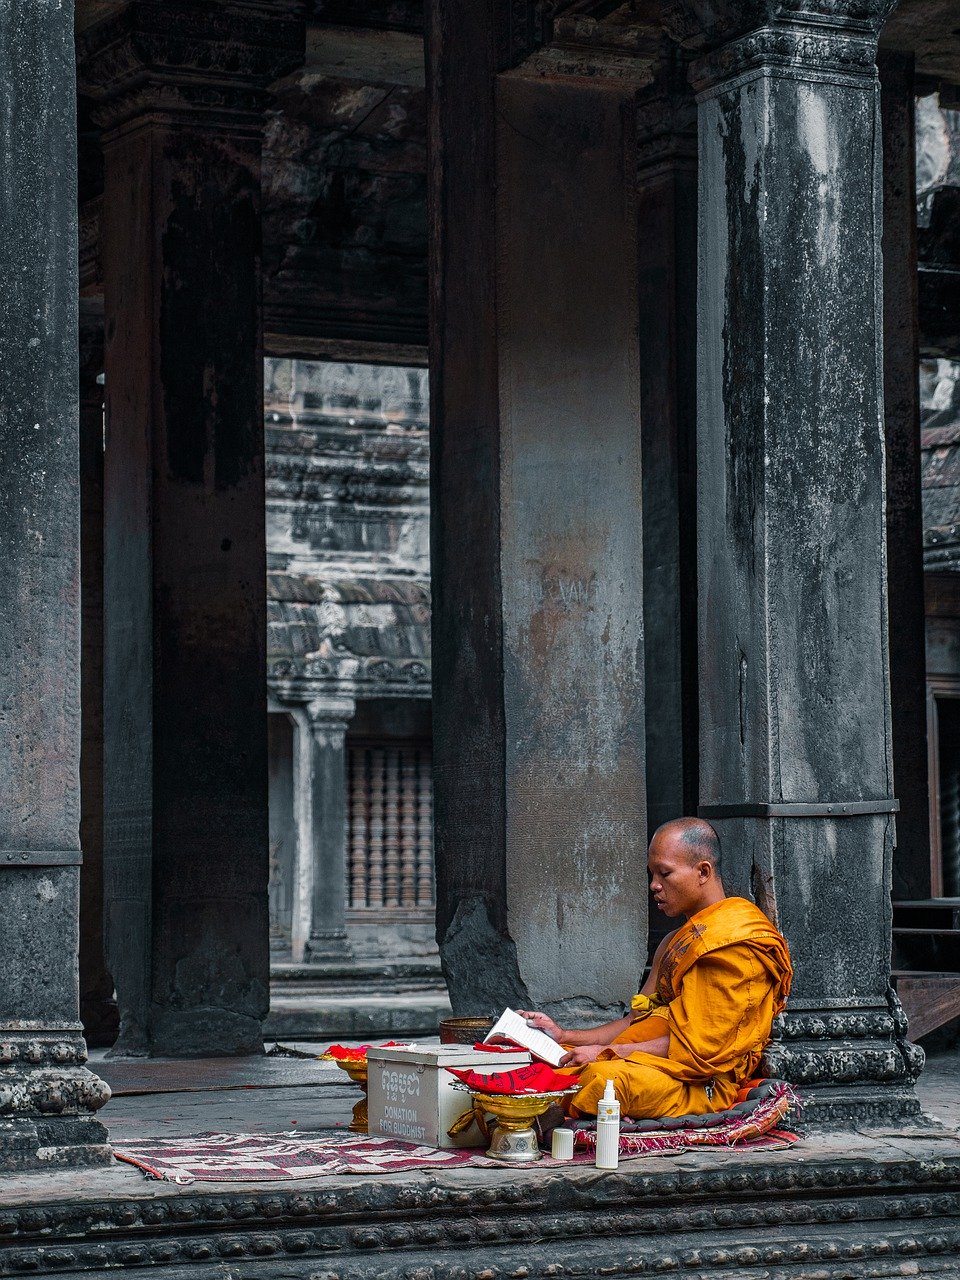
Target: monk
(699, 1025)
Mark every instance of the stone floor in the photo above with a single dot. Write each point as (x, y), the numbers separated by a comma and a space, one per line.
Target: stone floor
(174, 1098)
(749, 1209)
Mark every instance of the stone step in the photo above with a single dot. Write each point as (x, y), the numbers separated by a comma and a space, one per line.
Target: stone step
(359, 977)
(297, 1012)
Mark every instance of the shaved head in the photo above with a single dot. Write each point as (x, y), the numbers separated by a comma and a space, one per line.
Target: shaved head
(696, 837)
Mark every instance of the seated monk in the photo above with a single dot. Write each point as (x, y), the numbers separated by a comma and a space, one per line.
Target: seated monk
(703, 1017)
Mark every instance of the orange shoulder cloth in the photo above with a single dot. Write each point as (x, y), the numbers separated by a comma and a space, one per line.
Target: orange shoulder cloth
(729, 921)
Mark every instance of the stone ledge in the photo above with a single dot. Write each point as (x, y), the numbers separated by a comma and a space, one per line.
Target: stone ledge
(771, 1215)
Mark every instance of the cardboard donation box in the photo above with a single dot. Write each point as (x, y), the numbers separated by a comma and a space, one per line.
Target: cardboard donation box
(411, 1095)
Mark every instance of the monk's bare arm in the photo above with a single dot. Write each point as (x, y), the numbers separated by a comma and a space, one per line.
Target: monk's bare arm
(660, 1048)
(593, 1035)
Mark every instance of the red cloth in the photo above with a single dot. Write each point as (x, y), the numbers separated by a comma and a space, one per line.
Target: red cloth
(358, 1053)
(536, 1077)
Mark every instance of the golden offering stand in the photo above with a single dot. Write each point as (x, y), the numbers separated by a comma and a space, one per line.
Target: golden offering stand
(356, 1069)
(513, 1139)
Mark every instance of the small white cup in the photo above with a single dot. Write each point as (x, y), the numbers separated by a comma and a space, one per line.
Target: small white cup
(562, 1144)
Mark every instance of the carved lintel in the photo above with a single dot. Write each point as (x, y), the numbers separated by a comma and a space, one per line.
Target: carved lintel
(524, 26)
(616, 48)
(214, 63)
(666, 116)
(573, 62)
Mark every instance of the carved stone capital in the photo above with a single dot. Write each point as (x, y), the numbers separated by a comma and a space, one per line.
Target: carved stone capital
(183, 58)
(802, 51)
(329, 717)
(708, 24)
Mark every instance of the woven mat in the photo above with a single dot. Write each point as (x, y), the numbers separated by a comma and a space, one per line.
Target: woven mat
(755, 1124)
(274, 1157)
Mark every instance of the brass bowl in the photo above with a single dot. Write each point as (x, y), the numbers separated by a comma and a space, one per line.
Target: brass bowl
(464, 1030)
(513, 1138)
(356, 1069)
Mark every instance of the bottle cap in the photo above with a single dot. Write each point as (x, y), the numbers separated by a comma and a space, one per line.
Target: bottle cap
(608, 1094)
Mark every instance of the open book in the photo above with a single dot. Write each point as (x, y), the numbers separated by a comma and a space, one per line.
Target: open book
(510, 1028)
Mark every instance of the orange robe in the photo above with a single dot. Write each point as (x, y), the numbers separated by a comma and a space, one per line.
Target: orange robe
(723, 978)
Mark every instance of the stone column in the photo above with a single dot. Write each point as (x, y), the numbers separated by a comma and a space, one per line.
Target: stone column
(667, 249)
(98, 1009)
(537, 554)
(321, 811)
(180, 91)
(795, 753)
(901, 398)
(47, 1096)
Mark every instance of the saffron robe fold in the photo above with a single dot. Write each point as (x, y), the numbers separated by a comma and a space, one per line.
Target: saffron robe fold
(722, 979)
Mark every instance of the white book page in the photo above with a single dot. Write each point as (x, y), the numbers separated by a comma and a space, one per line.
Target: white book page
(513, 1029)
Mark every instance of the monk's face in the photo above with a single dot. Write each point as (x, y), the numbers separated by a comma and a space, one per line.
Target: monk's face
(676, 882)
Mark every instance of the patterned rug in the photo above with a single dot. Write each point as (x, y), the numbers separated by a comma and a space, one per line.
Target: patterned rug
(753, 1124)
(272, 1157)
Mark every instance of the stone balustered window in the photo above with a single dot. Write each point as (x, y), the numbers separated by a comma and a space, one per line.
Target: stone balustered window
(390, 826)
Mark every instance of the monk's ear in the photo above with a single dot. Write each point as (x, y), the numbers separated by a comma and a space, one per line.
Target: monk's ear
(706, 869)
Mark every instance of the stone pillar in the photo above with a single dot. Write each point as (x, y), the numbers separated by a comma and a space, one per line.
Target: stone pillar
(795, 755)
(320, 809)
(667, 248)
(98, 1009)
(901, 399)
(537, 555)
(47, 1096)
(180, 91)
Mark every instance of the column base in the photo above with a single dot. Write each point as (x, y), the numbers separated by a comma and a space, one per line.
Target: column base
(851, 1065)
(327, 946)
(64, 1142)
(47, 1098)
(860, 1106)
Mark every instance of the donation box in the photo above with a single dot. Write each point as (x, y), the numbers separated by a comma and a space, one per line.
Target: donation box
(411, 1096)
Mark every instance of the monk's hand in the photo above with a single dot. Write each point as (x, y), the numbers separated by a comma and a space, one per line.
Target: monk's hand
(542, 1023)
(583, 1054)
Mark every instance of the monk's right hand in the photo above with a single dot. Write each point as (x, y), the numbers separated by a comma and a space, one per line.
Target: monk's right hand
(542, 1023)
(582, 1055)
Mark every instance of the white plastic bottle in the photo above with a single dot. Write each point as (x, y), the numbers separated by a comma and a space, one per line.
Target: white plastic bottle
(608, 1129)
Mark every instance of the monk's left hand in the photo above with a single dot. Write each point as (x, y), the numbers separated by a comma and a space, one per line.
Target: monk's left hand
(583, 1054)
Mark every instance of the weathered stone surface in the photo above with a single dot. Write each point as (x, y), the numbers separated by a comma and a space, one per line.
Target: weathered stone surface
(667, 253)
(794, 681)
(537, 556)
(46, 1094)
(181, 90)
(571, 556)
(901, 399)
(98, 1009)
(347, 531)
